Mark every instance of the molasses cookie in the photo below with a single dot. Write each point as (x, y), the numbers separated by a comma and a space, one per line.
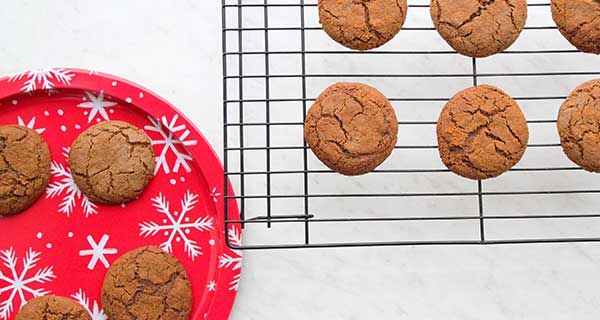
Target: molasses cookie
(24, 168)
(112, 162)
(579, 126)
(147, 283)
(351, 128)
(362, 24)
(579, 22)
(53, 307)
(481, 133)
(479, 28)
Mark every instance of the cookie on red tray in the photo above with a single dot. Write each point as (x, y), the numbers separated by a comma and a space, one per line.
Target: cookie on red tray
(147, 283)
(53, 308)
(24, 168)
(112, 162)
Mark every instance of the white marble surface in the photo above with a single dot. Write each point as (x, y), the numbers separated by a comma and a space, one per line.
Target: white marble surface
(174, 48)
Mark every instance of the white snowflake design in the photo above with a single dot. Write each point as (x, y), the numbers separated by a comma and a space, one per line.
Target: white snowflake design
(20, 284)
(176, 225)
(211, 286)
(94, 310)
(30, 124)
(97, 251)
(43, 78)
(170, 142)
(233, 262)
(67, 185)
(214, 194)
(97, 105)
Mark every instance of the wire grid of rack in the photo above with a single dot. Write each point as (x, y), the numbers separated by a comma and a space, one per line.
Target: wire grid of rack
(286, 196)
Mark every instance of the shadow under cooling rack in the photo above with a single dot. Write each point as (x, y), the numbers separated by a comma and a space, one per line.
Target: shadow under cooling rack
(277, 59)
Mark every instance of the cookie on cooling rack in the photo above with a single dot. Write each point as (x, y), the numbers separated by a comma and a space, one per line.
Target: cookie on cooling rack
(53, 307)
(112, 162)
(579, 22)
(147, 283)
(481, 133)
(478, 28)
(362, 24)
(579, 126)
(24, 168)
(351, 128)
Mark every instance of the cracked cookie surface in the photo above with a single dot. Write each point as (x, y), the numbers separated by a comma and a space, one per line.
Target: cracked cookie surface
(352, 128)
(53, 308)
(24, 168)
(147, 283)
(479, 28)
(579, 126)
(112, 162)
(481, 133)
(362, 24)
(579, 22)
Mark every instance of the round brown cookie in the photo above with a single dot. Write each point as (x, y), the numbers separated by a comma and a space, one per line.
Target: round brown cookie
(362, 24)
(479, 28)
(481, 133)
(24, 168)
(579, 126)
(147, 283)
(351, 128)
(53, 308)
(579, 22)
(112, 162)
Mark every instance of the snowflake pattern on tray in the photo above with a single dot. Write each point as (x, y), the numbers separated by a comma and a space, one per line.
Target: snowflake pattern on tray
(171, 144)
(176, 225)
(211, 286)
(66, 185)
(42, 78)
(214, 194)
(233, 260)
(30, 125)
(19, 283)
(98, 251)
(94, 309)
(75, 235)
(97, 105)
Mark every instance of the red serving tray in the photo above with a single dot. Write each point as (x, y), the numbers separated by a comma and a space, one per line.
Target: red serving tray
(64, 244)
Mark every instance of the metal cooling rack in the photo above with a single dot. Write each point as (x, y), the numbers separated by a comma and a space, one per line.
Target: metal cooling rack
(263, 204)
